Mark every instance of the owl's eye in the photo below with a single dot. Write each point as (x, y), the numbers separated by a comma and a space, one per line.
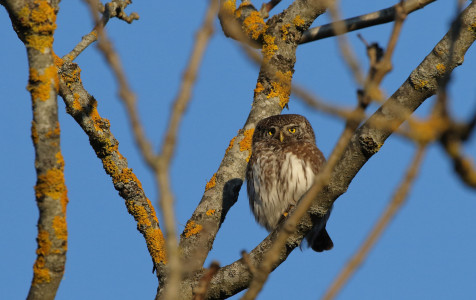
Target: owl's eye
(292, 130)
(271, 132)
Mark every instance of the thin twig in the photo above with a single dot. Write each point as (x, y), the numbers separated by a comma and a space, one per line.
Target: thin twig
(115, 8)
(246, 258)
(267, 7)
(372, 19)
(394, 206)
(168, 147)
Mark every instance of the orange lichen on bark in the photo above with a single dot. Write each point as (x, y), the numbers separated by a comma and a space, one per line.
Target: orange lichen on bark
(51, 184)
(39, 85)
(232, 142)
(472, 26)
(269, 47)
(420, 84)
(76, 104)
(212, 182)
(154, 237)
(259, 88)
(285, 31)
(210, 212)
(40, 23)
(34, 133)
(72, 77)
(229, 6)
(298, 21)
(41, 274)
(440, 68)
(39, 42)
(64, 196)
(192, 228)
(57, 60)
(53, 133)
(139, 213)
(96, 118)
(156, 245)
(240, 8)
(61, 229)
(254, 25)
(245, 143)
(281, 88)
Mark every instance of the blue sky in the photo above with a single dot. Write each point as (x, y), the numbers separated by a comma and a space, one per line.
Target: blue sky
(427, 251)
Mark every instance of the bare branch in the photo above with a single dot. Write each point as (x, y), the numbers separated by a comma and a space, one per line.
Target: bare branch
(393, 207)
(375, 18)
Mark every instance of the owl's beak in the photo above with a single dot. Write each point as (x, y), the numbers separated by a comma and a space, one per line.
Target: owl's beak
(281, 136)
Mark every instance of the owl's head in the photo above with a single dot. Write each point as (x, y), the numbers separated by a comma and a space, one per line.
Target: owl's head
(284, 129)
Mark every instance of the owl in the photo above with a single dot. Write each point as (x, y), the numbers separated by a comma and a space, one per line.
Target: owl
(283, 165)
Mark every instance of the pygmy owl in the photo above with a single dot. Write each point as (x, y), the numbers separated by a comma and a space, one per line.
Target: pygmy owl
(282, 168)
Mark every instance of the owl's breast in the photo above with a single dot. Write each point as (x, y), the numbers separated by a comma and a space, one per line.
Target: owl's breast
(274, 183)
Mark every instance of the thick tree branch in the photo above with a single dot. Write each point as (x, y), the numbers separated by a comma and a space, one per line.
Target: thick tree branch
(83, 108)
(375, 18)
(35, 23)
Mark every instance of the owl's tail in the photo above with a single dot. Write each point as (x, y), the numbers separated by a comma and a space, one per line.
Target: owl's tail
(319, 241)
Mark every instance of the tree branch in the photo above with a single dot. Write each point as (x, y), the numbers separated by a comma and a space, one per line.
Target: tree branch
(35, 23)
(83, 108)
(115, 8)
(393, 207)
(375, 18)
